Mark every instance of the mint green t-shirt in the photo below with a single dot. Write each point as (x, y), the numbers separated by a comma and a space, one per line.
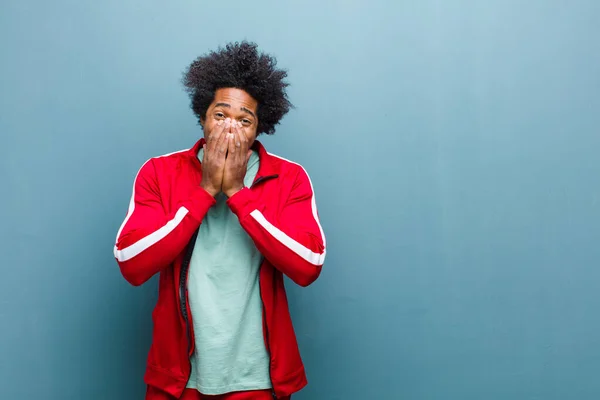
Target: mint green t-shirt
(225, 303)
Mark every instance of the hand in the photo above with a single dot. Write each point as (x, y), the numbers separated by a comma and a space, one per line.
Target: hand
(236, 162)
(213, 160)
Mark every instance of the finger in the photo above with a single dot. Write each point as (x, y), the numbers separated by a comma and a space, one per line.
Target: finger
(231, 148)
(216, 134)
(221, 142)
(236, 140)
(241, 141)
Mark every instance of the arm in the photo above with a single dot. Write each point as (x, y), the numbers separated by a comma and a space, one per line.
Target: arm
(293, 242)
(149, 239)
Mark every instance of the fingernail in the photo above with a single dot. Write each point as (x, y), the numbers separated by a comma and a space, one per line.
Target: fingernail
(220, 122)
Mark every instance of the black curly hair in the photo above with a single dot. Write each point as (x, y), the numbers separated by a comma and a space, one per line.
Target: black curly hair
(241, 66)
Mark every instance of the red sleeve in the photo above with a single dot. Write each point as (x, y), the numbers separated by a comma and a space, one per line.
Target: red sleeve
(293, 241)
(150, 239)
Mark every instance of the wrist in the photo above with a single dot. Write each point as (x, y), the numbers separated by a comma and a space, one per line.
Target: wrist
(210, 189)
(233, 191)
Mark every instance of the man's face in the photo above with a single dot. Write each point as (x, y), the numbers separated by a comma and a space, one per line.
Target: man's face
(235, 104)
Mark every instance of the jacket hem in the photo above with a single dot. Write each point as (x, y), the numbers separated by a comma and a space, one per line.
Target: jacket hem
(290, 383)
(165, 380)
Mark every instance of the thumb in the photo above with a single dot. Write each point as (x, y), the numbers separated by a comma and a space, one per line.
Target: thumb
(248, 155)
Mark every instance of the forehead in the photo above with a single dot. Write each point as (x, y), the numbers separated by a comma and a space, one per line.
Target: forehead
(236, 98)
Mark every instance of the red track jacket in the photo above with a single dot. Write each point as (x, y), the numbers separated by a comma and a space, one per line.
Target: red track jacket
(165, 212)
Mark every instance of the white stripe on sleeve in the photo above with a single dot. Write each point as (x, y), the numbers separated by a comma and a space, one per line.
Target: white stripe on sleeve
(131, 251)
(144, 243)
(304, 252)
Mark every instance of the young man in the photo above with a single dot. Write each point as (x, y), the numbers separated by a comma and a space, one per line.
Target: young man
(222, 223)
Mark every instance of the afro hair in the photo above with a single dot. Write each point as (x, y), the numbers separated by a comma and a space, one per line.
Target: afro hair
(242, 66)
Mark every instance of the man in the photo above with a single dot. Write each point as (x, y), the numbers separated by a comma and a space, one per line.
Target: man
(222, 223)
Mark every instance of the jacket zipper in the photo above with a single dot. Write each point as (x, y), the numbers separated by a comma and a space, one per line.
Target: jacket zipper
(264, 318)
(260, 179)
(183, 295)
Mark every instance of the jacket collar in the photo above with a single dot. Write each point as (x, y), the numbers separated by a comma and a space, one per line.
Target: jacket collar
(267, 162)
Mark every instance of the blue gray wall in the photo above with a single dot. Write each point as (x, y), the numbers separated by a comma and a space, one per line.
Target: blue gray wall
(453, 147)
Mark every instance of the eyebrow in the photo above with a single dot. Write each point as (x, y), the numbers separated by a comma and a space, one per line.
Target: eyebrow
(229, 106)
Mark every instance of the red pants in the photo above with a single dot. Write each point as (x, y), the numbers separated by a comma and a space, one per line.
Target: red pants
(192, 394)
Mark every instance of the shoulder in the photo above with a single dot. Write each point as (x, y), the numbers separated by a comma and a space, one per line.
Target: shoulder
(290, 170)
(284, 165)
(162, 162)
(169, 159)
(175, 155)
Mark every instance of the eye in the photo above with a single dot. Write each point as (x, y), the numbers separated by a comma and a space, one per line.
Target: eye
(219, 115)
(246, 122)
